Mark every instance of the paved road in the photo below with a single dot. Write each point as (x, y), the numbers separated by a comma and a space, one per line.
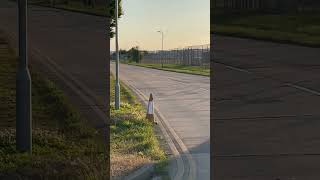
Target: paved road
(266, 110)
(75, 42)
(184, 100)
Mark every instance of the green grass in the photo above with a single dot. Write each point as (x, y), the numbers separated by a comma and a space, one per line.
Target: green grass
(131, 133)
(74, 6)
(64, 146)
(196, 70)
(303, 29)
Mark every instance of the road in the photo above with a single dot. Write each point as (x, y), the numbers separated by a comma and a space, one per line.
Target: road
(74, 45)
(184, 101)
(266, 110)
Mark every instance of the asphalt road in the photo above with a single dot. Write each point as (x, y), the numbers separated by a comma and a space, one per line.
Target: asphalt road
(266, 110)
(75, 42)
(184, 100)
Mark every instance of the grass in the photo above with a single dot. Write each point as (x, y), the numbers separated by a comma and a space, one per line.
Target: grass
(303, 29)
(133, 139)
(64, 147)
(196, 70)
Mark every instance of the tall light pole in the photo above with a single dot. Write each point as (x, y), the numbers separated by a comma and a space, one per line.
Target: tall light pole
(117, 83)
(161, 48)
(23, 87)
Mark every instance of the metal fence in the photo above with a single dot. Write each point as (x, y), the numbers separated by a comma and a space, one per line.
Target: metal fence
(268, 5)
(192, 55)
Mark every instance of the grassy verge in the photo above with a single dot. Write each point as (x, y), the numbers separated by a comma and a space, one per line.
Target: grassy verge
(77, 6)
(133, 139)
(64, 147)
(196, 70)
(302, 29)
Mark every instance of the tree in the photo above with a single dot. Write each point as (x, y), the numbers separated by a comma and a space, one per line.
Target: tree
(112, 15)
(135, 54)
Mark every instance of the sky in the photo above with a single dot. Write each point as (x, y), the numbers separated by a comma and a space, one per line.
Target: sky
(184, 23)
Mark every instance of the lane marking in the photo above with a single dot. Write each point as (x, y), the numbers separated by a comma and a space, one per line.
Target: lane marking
(287, 84)
(303, 89)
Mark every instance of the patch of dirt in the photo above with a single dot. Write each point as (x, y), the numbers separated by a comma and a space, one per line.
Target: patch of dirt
(122, 165)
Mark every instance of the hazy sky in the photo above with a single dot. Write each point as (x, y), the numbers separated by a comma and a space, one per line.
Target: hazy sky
(184, 22)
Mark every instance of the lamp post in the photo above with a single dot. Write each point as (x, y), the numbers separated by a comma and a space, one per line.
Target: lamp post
(161, 48)
(117, 84)
(23, 87)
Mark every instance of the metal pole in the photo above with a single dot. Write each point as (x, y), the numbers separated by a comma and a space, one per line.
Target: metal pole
(161, 48)
(117, 84)
(23, 87)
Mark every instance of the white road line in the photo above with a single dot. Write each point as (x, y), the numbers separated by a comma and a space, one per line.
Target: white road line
(303, 89)
(287, 84)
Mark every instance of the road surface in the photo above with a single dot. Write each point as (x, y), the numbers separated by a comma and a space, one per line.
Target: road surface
(184, 101)
(76, 45)
(266, 110)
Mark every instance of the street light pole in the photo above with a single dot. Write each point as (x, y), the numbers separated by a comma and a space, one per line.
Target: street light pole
(117, 84)
(23, 87)
(161, 48)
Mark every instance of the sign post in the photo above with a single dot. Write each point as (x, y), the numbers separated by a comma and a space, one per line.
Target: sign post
(23, 87)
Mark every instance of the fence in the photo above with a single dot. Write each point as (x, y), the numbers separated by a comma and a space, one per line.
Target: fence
(192, 56)
(268, 5)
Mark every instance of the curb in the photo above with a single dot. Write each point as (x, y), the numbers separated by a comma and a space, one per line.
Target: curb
(143, 173)
(265, 39)
(71, 10)
(170, 70)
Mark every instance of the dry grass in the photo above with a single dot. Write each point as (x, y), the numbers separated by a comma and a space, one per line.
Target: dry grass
(122, 164)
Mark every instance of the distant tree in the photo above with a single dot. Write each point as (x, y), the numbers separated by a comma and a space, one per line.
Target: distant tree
(134, 54)
(123, 54)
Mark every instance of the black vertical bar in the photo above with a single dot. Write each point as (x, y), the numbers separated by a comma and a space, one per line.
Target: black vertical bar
(23, 87)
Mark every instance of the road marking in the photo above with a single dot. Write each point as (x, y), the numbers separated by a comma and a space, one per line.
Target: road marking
(287, 84)
(233, 68)
(303, 89)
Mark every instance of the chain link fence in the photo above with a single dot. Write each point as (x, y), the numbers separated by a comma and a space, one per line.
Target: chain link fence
(268, 5)
(192, 56)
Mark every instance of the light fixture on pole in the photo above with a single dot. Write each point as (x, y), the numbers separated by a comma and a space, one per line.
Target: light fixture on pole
(161, 48)
(23, 87)
(117, 83)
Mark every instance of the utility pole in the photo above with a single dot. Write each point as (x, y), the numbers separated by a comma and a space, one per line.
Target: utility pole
(23, 87)
(161, 48)
(117, 83)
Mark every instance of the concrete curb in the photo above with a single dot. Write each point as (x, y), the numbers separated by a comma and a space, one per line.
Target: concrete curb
(266, 39)
(170, 70)
(143, 173)
(71, 10)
